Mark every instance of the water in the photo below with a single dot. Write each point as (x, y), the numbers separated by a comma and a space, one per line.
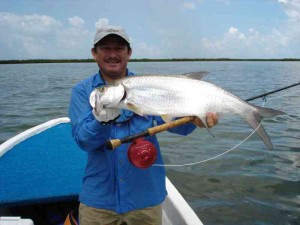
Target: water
(250, 185)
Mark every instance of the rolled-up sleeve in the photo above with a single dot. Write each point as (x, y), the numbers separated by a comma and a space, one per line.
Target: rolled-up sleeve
(89, 134)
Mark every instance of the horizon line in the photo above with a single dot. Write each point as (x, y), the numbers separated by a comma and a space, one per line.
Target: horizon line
(19, 61)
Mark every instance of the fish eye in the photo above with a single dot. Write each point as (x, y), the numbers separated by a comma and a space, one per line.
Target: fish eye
(102, 89)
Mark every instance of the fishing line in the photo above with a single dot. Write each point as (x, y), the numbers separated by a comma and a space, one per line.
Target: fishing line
(229, 150)
(214, 157)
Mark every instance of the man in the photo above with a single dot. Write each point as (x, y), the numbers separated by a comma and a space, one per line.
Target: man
(114, 191)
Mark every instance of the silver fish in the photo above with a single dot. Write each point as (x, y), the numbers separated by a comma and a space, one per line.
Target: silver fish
(172, 96)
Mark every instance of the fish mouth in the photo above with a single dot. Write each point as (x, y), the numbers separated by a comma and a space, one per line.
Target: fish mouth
(125, 94)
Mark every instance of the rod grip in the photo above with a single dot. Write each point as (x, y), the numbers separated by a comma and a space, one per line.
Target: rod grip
(113, 144)
(169, 125)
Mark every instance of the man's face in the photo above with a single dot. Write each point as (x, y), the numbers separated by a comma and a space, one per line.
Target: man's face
(112, 56)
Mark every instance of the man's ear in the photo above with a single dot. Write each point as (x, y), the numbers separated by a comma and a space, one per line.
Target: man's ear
(93, 53)
(129, 53)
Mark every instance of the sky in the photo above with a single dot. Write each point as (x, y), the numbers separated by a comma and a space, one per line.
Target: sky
(64, 29)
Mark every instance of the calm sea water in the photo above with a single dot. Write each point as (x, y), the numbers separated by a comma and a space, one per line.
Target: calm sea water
(249, 185)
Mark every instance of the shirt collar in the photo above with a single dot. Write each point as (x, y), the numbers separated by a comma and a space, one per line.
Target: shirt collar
(99, 81)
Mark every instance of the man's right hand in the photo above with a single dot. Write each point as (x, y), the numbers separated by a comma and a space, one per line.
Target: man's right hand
(100, 113)
(106, 115)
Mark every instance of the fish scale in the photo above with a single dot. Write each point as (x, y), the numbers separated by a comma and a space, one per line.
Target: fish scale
(158, 99)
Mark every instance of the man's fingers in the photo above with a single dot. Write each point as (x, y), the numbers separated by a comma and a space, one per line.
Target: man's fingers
(211, 119)
(215, 118)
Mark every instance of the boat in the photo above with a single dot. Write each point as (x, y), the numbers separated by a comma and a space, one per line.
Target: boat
(33, 188)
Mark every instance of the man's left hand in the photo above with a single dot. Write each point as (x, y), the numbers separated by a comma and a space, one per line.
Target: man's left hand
(211, 120)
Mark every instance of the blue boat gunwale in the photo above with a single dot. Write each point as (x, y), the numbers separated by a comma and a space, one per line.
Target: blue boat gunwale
(10, 143)
(42, 164)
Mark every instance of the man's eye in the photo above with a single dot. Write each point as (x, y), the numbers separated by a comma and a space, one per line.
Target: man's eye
(121, 48)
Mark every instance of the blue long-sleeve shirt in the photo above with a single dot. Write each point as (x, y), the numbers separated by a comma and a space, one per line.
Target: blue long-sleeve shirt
(110, 180)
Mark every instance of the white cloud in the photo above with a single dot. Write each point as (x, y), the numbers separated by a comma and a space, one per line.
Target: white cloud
(189, 5)
(30, 24)
(76, 21)
(280, 42)
(34, 47)
(227, 2)
(252, 44)
(102, 22)
(26, 36)
(73, 39)
(143, 50)
(283, 1)
(291, 30)
(234, 32)
(42, 36)
(253, 32)
(292, 9)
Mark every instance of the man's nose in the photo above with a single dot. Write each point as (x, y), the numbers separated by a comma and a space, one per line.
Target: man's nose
(112, 52)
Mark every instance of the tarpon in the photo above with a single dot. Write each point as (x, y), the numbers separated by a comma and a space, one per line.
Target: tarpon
(172, 96)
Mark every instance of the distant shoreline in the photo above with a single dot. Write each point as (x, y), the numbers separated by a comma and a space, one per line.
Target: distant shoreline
(28, 61)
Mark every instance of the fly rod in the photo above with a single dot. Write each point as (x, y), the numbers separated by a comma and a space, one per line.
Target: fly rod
(272, 92)
(114, 143)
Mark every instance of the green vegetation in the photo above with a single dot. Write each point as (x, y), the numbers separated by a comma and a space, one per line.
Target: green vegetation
(207, 59)
(27, 61)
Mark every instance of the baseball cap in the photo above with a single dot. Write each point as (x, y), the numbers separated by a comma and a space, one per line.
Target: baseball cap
(103, 32)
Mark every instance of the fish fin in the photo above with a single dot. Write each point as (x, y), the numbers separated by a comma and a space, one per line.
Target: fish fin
(135, 109)
(268, 112)
(254, 120)
(203, 120)
(209, 131)
(167, 118)
(196, 75)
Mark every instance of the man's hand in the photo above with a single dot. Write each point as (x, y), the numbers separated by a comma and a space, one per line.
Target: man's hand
(106, 115)
(100, 113)
(211, 120)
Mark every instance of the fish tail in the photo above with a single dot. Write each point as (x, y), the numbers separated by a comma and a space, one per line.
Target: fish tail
(268, 112)
(254, 120)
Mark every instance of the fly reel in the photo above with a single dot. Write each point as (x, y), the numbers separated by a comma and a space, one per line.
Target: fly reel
(142, 153)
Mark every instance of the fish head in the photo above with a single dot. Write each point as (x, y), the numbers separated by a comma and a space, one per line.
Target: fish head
(111, 95)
